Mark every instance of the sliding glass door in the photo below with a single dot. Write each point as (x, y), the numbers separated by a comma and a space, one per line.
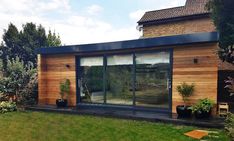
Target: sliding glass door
(91, 80)
(137, 79)
(152, 79)
(119, 79)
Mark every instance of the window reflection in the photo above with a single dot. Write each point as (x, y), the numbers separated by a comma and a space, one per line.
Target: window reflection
(91, 89)
(152, 76)
(152, 73)
(119, 79)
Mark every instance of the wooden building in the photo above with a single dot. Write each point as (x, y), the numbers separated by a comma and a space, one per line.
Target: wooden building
(178, 45)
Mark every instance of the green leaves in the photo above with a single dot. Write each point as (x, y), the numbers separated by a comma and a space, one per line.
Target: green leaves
(24, 43)
(203, 105)
(185, 90)
(17, 77)
(7, 106)
(229, 125)
(223, 17)
(64, 88)
(53, 40)
(18, 59)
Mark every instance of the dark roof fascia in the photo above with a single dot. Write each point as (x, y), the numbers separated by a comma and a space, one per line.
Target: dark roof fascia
(134, 44)
(174, 19)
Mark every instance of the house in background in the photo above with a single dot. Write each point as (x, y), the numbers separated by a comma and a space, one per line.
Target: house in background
(188, 19)
(178, 45)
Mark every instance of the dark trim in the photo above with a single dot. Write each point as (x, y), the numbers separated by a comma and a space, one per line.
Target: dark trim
(104, 77)
(134, 44)
(174, 19)
(171, 80)
(134, 79)
(77, 62)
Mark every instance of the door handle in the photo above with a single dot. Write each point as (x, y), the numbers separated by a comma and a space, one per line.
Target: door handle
(169, 83)
(79, 83)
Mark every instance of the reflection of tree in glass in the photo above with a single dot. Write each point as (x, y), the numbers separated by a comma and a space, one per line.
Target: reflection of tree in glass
(151, 75)
(91, 80)
(119, 81)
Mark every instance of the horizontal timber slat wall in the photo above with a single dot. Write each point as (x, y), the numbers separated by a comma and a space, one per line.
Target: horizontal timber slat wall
(51, 71)
(203, 74)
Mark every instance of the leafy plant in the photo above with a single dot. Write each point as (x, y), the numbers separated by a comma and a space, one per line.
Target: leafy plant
(203, 105)
(29, 94)
(7, 106)
(17, 76)
(185, 90)
(229, 125)
(5, 89)
(64, 88)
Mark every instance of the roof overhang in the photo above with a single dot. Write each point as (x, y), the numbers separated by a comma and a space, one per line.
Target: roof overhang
(134, 44)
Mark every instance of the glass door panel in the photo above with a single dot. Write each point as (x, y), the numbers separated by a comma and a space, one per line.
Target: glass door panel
(119, 79)
(152, 79)
(91, 79)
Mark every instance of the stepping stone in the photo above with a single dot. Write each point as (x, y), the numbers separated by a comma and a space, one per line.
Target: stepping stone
(197, 134)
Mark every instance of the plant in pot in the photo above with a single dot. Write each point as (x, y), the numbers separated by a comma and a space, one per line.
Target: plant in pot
(203, 108)
(185, 90)
(64, 91)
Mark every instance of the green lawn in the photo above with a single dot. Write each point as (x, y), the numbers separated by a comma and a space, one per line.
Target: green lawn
(39, 126)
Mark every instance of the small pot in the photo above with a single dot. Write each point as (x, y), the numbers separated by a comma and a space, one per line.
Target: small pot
(61, 103)
(202, 114)
(184, 111)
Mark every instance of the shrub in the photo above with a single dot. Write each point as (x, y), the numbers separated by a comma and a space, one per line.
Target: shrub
(7, 106)
(229, 125)
(185, 91)
(5, 87)
(29, 94)
(16, 82)
(64, 88)
(203, 105)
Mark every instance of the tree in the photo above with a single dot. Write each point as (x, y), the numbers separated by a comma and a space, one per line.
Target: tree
(31, 38)
(11, 47)
(53, 40)
(24, 43)
(223, 17)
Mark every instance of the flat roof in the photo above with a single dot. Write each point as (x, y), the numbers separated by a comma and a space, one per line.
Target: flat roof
(134, 44)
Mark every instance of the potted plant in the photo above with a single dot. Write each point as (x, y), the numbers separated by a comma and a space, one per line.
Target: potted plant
(185, 90)
(203, 108)
(64, 90)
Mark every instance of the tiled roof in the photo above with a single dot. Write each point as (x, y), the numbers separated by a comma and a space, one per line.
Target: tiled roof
(191, 8)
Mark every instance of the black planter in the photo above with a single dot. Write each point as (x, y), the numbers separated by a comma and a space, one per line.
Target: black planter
(202, 114)
(184, 111)
(61, 103)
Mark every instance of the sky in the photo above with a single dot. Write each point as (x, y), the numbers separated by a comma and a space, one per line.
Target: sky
(82, 21)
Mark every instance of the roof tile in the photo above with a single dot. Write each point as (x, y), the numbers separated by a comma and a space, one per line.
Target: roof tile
(192, 7)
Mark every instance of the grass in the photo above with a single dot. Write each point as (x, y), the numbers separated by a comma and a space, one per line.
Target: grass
(39, 126)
